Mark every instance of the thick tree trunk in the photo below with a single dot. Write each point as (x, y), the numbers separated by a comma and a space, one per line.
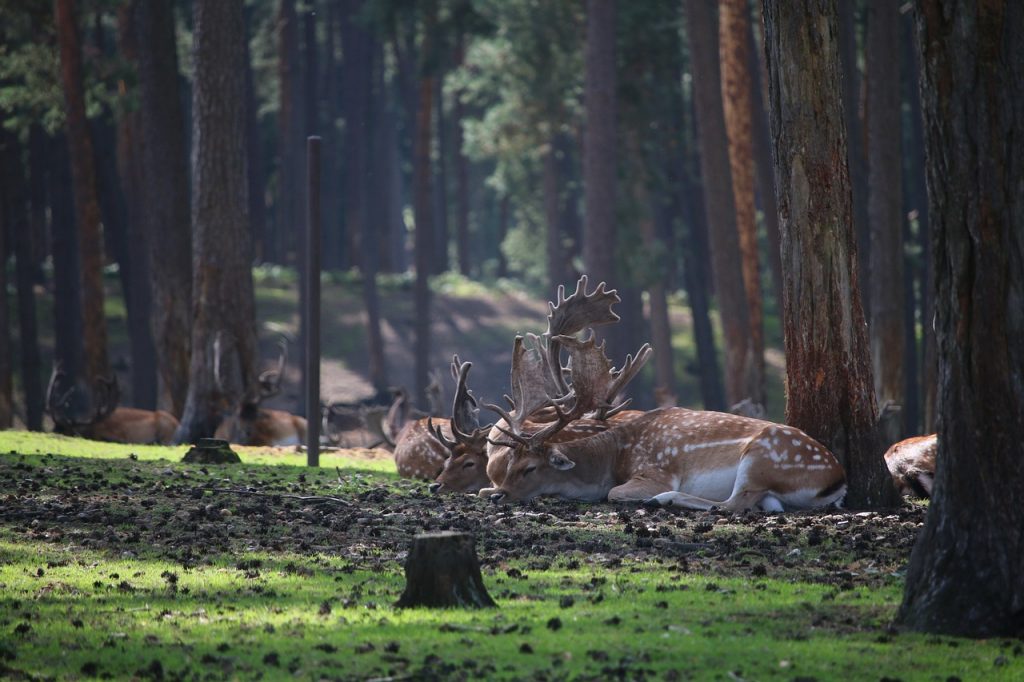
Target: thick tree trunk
(740, 376)
(885, 202)
(166, 196)
(828, 368)
(225, 317)
(857, 162)
(87, 209)
(67, 302)
(737, 106)
(964, 576)
(442, 571)
(135, 265)
(599, 143)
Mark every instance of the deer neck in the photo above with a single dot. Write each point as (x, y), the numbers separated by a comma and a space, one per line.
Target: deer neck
(599, 464)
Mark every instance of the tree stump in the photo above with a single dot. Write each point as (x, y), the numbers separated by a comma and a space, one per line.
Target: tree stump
(442, 571)
(211, 451)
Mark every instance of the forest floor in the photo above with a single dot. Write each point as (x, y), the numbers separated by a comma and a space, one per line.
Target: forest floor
(118, 561)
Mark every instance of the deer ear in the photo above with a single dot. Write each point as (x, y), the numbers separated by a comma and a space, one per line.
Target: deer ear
(560, 461)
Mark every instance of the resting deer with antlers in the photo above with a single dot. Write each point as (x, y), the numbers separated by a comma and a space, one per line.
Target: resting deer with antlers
(469, 462)
(911, 464)
(671, 456)
(251, 424)
(108, 422)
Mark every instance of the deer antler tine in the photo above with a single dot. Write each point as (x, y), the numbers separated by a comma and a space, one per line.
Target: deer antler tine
(500, 411)
(436, 431)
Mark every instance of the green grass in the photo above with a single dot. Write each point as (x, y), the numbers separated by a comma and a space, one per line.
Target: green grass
(80, 599)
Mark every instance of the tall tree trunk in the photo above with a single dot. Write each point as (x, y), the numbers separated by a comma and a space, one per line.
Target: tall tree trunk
(166, 195)
(964, 576)
(599, 142)
(913, 269)
(6, 324)
(828, 367)
(67, 301)
(14, 206)
(740, 376)
(885, 202)
(138, 296)
(737, 106)
(422, 207)
(551, 186)
(256, 173)
(695, 280)
(461, 169)
(440, 186)
(858, 165)
(225, 312)
(916, 197)
(763, 163)
(83, 173)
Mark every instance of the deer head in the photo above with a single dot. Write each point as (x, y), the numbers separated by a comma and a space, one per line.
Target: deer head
(466, 463)
(106, 395)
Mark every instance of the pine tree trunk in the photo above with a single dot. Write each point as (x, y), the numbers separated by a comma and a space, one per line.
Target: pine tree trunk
(856, 160)
(67, 302)
(135, 266)
(964, 576)
(224, 305)
(599, 143)
(422, 207)
(737, 106)
(461, 170)
(740, 376)
(6, 324)
(885, 202)
(829, 386)
(166, 196)
(87, 209)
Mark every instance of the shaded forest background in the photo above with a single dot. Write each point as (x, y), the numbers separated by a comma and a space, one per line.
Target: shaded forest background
(455, 140)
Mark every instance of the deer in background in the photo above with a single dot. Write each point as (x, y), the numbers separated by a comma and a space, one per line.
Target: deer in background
(251, 424)
(911, 464)
(108, 422)
(669, 456)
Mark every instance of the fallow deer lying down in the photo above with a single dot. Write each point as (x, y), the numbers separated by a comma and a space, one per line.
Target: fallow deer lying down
(911, 464)
(671, 456)
(251, 424)
(108, 422)
(468, 464)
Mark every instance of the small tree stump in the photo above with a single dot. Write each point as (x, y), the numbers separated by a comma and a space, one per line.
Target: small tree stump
(442, 571)
(211, 451)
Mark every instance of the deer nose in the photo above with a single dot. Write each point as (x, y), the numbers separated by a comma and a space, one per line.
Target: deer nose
(497, 497)
(436, 487)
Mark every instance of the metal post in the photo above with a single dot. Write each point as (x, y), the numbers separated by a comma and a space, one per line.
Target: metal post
(312, 311)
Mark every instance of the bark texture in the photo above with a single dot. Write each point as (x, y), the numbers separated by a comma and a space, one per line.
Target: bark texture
(885, 202)
(87, 208)
(829, 389)
(599, 143)
(222, 286)
(719, 205)
(965, 572)
(737, 107)
(166, 195)
(442, 571)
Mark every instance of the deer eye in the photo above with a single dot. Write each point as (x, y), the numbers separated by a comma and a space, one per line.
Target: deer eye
(530, 469)
(469, 464)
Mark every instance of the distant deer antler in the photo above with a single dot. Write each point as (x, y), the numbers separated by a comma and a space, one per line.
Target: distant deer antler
(573, 314)
(270, 380)
(465, 423)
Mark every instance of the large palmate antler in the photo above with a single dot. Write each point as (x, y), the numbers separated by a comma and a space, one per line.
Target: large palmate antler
(594, 377)
(568, 316)
(465, 423)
